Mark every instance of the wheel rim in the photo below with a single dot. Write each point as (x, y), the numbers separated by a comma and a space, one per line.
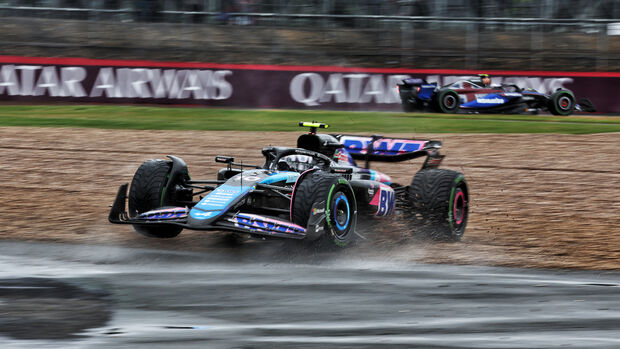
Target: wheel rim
(449, 101)
(459, 209)
(341, 214)
(564, 102)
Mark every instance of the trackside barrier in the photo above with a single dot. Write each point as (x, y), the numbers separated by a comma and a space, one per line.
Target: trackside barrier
(81, 80)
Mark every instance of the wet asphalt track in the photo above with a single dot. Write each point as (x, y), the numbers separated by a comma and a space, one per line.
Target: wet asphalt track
(77, 296)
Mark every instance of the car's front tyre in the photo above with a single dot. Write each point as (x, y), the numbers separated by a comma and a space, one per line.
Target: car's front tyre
(148, 192)
(339, 203)
(561, 102)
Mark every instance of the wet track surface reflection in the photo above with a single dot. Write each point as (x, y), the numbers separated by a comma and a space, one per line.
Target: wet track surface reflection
(77, 296)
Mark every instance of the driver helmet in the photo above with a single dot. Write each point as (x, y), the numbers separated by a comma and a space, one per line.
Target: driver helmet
(297, 163)
(485, 79)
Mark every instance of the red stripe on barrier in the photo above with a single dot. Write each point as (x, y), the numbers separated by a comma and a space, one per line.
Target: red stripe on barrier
(300, 68)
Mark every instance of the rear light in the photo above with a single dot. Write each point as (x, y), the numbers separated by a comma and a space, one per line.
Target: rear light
(418, 89)
(398, 87)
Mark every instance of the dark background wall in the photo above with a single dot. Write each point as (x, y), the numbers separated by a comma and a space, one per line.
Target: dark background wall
(480, 35)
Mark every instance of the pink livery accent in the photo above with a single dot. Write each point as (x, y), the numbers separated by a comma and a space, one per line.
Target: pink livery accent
(375, 199)
(382, 177)
(459, 215)
(381, 146)
(399, 145)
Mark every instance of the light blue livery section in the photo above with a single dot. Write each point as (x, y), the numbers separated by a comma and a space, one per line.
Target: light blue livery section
(379, 177)
(287, 177)
(219, 200)
(236, 188)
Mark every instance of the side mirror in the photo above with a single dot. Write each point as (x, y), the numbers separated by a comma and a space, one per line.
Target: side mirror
(224, 159)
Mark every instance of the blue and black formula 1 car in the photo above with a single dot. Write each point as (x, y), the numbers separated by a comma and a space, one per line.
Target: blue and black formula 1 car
(472, 96)
(314, 192)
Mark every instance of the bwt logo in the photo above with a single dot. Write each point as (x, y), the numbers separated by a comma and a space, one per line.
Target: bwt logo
(312, 89)
(386, 201)
(262, 225)
(390, 146)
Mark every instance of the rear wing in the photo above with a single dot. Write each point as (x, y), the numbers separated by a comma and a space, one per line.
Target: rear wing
(414, 81)
(379, 148)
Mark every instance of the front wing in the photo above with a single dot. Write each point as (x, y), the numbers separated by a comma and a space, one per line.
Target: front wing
(238, 222)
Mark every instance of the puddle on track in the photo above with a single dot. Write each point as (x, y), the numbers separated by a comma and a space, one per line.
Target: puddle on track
(125, 297)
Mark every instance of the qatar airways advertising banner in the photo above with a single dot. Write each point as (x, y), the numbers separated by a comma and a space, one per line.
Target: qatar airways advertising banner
(80, 80)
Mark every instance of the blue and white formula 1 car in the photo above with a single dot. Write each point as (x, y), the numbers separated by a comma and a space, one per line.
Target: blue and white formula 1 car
(471, 96)
(314, 192)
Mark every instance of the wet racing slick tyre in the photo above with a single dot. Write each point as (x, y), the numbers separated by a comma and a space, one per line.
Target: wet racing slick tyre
(447, 101)
(439, 201)
(340, 208)
(147, 193)
(561, 102)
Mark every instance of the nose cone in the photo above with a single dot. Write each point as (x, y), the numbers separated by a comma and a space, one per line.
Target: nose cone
(198, 217)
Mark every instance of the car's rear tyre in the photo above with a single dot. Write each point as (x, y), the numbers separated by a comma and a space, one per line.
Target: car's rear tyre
(561, 102)
(439, 202)
(147, 192)
(447, 101)
(340, 207)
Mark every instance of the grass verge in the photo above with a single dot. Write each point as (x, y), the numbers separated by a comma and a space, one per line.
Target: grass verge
(185, 118)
